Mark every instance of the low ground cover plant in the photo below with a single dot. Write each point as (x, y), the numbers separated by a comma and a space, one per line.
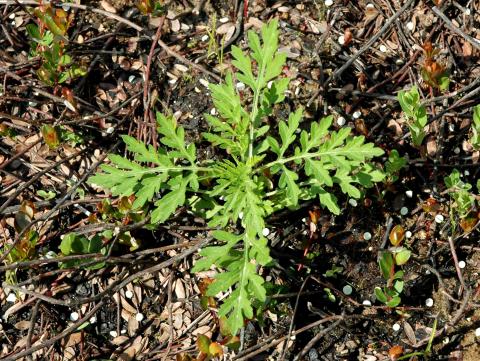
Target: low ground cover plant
(268, 165)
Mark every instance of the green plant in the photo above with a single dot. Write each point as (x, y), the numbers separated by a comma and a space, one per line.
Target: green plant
(463, 201)
(416, 114)
(73, 244)
(48, 42)
(389, 261)
(475, 139)
(257, 175)
(393, 165)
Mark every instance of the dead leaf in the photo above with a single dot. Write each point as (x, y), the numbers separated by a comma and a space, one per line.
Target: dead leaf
(108, 7)
(409, 333)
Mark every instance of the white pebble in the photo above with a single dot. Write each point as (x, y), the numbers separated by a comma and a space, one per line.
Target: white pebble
(396, 327)
(467, 173)
(404, 211)
(347, 290)
(467, 12)
(429, 302)
(439, 218)
(477, 332)
(113, 333)
(213, 111)
(456, 150)
(93, 319)
(341, 40)
(110, 130)
(74, 316)
(370, 248)
(353, 202)
(462, 264)
(410, 26)
(128, 294)
(367, 236)
(446, 340)
(205, 37)
(139, 317)
(240, 86)
(265, 232)
(240, 215)
(451, 127)
(383, 48)
(357, 114)
(408, 234)
(123, 331)
(366, 303)
(370, 6)
(341, 121)
(328, 3)
(409, 194)
(11, 297)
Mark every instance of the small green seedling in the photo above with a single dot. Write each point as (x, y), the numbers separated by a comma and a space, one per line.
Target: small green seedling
(260, 171)
(394, 164)
(389, 261)
(48, 42)
(464, 201)
(415, 112)
(475, 139)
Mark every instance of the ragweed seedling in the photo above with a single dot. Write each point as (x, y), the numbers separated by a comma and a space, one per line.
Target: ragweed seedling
(262, 170)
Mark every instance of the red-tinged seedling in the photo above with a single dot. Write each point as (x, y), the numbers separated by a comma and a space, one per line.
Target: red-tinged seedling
(397, 235)
(50, 135)
(434, 72)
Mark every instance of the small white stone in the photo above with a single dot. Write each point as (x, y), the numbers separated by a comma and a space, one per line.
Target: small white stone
(123, 331)
(467, 173)
(11, 297)
(341, 40)
(139, 317)
(451, 127)
(240, 215)
(462, 264)
(383, 48)
(240, 86)
(204, 82)
(439, 218)
(205, 37)
(93, 319)
(446, 340)
(265, 232)
(477, 332)
(429, 302)
(404, 211)
(113, 333)
(366, 303)
(408, 234)
(357, 114)
(370, 6)
(224, 20)
(410, 26)
(456, 150)
(396, 327)
(128, 294)
(110, 130)
(328, 3)
(269, 84)
(409, 194)
(467, 12)
(11, 16)
(347, 289)
(353, 202)
(370, 248)
(74, 316)
(213, 111)
(367, 236)
(341, 121)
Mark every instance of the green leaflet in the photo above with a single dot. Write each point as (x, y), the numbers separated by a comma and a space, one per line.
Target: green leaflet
(415, 112)
(266, 165)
